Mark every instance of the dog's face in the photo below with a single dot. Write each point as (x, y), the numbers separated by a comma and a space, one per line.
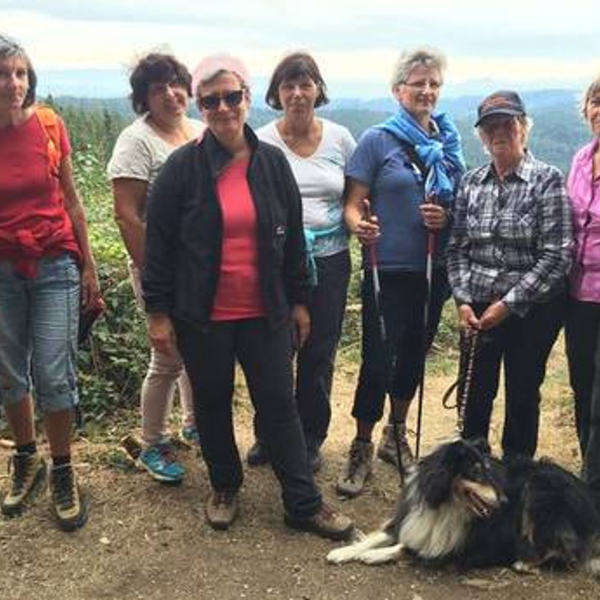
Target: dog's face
(477, 480)
(462, 471)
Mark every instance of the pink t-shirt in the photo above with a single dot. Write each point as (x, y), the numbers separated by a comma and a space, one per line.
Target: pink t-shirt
(584, 193)
(238, 293)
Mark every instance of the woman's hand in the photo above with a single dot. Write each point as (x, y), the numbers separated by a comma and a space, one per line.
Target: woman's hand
(357, 213)
(367, 228)
(162, 333)
(493, 315)
(90, 287)
(434, 216)
(466, 318)
(300, 324)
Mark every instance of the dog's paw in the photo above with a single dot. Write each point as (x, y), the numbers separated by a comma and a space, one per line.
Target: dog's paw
(342, 555)
(524, 568)
(378, 556)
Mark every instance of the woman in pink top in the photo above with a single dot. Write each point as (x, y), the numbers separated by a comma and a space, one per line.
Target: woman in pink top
(583, 321)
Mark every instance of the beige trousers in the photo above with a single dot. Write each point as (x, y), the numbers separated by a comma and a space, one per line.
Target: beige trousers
(164, 373)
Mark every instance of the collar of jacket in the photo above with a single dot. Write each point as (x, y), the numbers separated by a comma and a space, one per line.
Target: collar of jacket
(218, 156)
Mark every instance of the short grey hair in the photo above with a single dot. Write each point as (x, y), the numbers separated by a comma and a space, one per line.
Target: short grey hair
(592, 90)
(428, 56)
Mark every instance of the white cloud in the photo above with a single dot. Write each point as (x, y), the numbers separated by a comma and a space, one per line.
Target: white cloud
(352, 39)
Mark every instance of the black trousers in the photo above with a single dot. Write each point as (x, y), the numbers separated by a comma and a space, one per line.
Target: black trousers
(582, 337)
(582, 342)
(395, 367)
(315, 361)
(523, 345)
(265, 355)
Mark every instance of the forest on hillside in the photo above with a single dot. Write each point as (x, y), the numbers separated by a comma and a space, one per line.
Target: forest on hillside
(558, 128)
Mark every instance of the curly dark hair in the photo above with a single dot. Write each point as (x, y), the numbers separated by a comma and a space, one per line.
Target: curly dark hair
(156, 67)
(295, 66)
(10, 48)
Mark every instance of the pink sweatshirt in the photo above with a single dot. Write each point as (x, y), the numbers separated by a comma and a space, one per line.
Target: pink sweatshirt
(584, 194)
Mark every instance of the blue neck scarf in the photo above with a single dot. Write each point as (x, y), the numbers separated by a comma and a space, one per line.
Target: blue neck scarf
(442, 155)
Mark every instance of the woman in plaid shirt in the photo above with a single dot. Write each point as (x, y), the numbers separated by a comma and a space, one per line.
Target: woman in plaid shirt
(508, 257)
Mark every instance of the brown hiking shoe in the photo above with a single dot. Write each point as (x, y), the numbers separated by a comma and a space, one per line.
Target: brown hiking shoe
(221, 509)
(68, 504)
(29, 478)
(386, 450)
(357, 469)
(326, 523)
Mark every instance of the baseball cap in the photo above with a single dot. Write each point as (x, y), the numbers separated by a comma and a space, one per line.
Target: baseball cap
(503, 102)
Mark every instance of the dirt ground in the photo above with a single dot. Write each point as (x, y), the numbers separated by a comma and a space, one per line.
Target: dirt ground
(149, 541)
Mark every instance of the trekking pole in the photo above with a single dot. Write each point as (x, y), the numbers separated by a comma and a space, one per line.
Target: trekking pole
(429, 251)
(383, 337)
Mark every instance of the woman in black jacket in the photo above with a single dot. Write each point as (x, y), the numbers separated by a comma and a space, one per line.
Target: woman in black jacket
(225, 276)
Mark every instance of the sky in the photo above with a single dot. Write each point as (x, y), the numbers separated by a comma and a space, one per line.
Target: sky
(527, 43)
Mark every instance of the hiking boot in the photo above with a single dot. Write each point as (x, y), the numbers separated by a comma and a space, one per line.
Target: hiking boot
(159, 462)
(29, 478)
(386, 450)
(357, 469)
(257, 455)
(68, 504)
(221, 509)
(326, 523)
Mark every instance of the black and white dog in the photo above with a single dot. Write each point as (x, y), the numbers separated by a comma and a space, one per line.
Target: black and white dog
(459, 505)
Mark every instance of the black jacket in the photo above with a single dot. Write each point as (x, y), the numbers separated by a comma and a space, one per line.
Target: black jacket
(184, 232)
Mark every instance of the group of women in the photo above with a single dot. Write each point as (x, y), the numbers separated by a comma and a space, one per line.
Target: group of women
(238, 246)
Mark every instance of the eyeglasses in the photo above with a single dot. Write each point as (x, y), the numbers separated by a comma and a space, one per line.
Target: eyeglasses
(231, 99)
(421, 85)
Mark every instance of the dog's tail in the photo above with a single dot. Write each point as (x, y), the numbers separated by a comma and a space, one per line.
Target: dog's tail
(592, 564)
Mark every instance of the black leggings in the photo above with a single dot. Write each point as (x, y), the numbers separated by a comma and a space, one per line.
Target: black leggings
(397, 366)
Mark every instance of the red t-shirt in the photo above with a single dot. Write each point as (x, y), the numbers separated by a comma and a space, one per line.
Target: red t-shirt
(33, 219)
(238, 293)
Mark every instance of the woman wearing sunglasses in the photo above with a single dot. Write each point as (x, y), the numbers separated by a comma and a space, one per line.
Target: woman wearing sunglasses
(161, 89)
(225, 278)
(317, 150)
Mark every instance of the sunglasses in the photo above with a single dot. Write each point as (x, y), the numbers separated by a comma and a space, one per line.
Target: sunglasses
(231, 99)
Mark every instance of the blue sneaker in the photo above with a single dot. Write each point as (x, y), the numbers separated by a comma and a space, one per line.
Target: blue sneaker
(158, 461)
(189, 434)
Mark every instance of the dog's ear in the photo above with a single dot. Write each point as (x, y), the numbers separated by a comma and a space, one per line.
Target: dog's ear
(437, 471)
(454, 452)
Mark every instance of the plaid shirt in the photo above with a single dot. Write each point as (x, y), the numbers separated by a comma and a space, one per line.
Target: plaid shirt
(511, 240)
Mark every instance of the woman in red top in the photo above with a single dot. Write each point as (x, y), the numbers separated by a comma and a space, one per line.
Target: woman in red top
(46, 271)
(224, 279)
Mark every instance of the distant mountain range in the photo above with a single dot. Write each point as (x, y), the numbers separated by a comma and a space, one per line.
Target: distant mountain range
(558, 128)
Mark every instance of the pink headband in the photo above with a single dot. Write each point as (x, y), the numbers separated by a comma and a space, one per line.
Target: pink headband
(212, 64)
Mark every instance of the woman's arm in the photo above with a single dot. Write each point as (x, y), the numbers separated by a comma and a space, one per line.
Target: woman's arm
(129, 197)
(90, 288)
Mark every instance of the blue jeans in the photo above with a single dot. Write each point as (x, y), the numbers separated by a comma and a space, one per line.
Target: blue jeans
(38, 333)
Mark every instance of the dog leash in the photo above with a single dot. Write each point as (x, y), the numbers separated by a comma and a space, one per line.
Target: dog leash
(469, 345)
